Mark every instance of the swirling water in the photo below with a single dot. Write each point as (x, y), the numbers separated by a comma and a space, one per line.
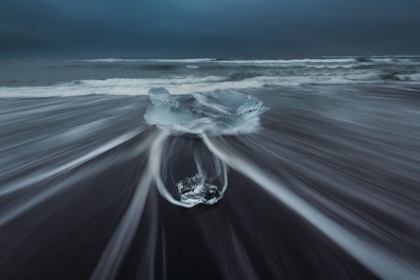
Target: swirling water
(324, 185)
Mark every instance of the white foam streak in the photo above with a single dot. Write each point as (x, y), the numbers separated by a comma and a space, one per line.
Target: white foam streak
(409, 77)
(210, 127)
(126, 87)
(38, 177)
(177, 86)
(237, 61)
(188, 60)
(124, 234)
(291, 61)
(154, 166)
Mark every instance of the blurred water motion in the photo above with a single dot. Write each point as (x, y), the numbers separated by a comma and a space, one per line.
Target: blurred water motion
(324, 186)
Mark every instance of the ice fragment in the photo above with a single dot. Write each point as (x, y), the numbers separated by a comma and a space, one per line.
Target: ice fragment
(160, 97)
(251, 104)
(195, 190)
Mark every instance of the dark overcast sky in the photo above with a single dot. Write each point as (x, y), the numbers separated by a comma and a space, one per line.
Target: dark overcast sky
(208, 28)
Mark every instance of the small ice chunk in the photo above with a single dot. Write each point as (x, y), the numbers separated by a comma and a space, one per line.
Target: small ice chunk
(195, 190)
(160, 97)
(250, 109)
(251, 104)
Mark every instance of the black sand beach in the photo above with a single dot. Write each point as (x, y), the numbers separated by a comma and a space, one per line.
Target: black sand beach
(325, 185)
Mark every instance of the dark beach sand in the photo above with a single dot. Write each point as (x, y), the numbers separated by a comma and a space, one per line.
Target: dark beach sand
(352, 153)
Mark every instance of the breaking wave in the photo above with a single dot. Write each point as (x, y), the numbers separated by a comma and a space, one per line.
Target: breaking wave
(188, 85)
(114, 76)
(188, 60)
(409, 77)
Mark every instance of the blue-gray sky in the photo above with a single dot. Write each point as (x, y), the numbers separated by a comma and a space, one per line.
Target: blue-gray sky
(208, 28)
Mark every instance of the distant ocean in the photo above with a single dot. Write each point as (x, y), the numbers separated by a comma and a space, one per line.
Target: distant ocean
(112, 76)
(314, 165)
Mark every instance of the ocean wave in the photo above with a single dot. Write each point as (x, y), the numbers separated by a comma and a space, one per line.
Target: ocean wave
(237, 61)
(107, 60)
(409, 77)
(291, 61)
(177, 86)
(157, 67)
(187, 60)
(401, 60)
(319, 63)
(239, 76)
(205, 81)
(328, 60)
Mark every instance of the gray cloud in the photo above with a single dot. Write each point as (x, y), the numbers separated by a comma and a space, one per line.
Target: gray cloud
(228, 28)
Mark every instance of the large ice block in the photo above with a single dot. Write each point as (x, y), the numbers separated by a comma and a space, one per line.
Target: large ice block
(166, 111)
(160, 97)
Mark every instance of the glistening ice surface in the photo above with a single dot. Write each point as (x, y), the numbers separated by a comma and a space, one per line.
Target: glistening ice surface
(166, 112)
(323, 185)
(195, 190)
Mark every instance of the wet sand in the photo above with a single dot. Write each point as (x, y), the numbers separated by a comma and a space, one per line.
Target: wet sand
(349, 154)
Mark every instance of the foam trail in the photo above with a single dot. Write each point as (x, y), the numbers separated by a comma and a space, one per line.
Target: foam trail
(147, 268)
(155, 164)
(378, 261)
(122, 238)
(204, 163)
(164, 252)
(33, 179)
(220, 166)
(187, 60)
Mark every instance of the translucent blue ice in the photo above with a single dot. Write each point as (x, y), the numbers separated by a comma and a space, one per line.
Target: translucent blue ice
(160, 97)
(195, 190)
(165, 110)
(250, 109)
